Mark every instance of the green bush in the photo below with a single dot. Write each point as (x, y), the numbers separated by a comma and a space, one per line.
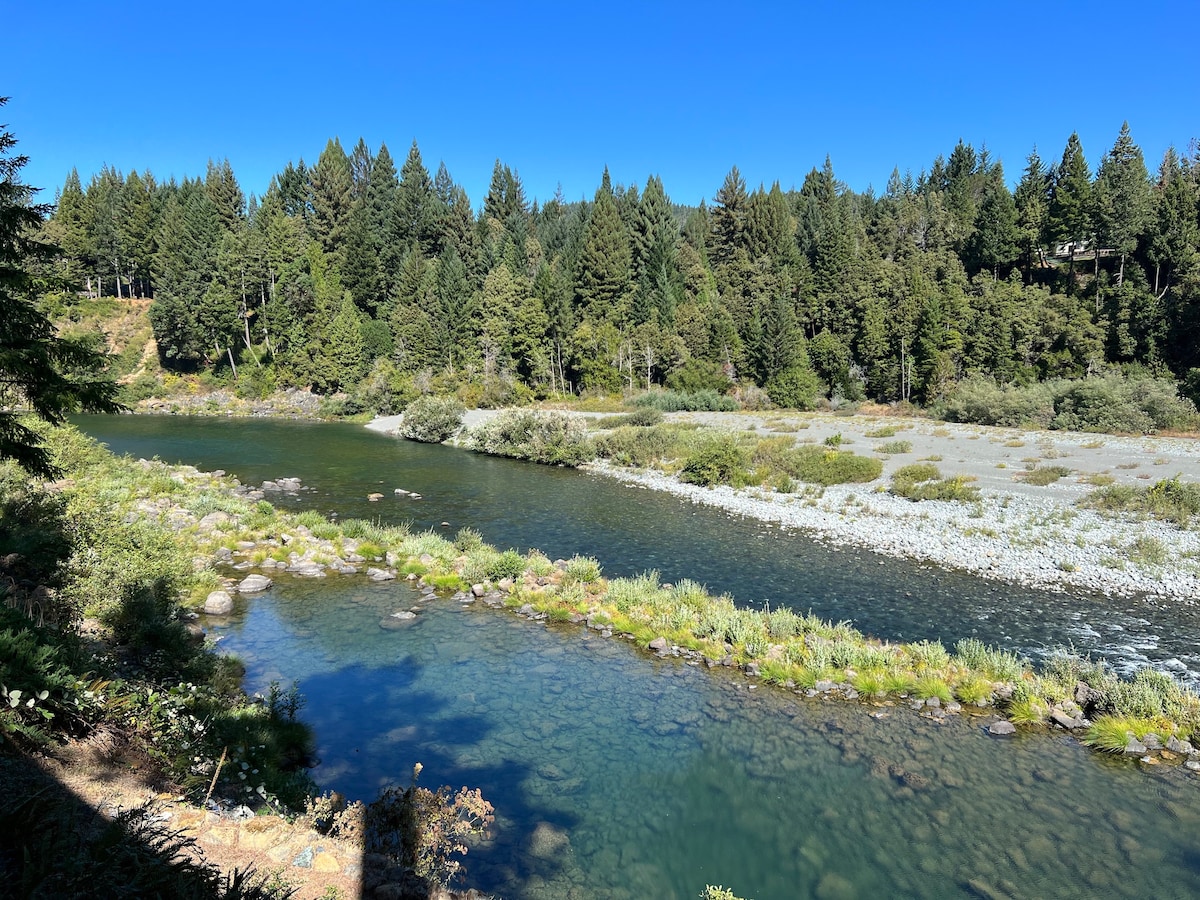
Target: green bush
(1133, 402)
(431, 419)
(923, 481)
(644, 417)
(717, 460)
(1170, 499)
(553, 438)
(706, 400)
(795, 388)
(816, 465)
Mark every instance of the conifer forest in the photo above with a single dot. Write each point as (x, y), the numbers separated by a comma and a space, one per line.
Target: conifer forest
(350, 275)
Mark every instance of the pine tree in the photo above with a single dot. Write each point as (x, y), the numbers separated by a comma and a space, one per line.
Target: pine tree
(1069, 217)
(729, 218)
(416, 206)
(603, 276)
(1122, 197)
(1032, 198)
(225, 195)
(993, 245)
(40, 371)
(332, 195)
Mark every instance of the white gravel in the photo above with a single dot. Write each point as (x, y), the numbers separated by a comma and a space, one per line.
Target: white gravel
(1018, 532)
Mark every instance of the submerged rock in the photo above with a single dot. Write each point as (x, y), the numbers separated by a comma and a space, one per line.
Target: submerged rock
(1002, 727)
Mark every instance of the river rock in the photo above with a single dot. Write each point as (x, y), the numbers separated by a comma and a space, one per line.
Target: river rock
(658, 644)
(478, 590)
(1152, 741)
(307, 569)
(1134, 747)
(214, 520)
(253, 583)
(375, 497)
(1175, 745)
(380, 574)
(218, 603)
(1002, 727)
(1063, 720)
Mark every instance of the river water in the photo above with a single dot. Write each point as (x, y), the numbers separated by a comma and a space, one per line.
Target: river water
(619, 775)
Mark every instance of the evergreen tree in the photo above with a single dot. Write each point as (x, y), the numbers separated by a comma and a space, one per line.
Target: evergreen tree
(603, 277)
(1032, 198)
(993, 245)
(40, 371)
(1122, 197)
(1069, 216)
(729, 218)
(225, 195)
(415, 210)
(332, 195)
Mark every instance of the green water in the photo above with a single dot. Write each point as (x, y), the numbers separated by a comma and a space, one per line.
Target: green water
(563, 512)
(617, 775)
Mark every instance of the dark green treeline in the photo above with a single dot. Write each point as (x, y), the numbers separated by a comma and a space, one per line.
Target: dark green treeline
(349, 275)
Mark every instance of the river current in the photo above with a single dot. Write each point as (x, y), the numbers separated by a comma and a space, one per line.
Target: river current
(615, 774)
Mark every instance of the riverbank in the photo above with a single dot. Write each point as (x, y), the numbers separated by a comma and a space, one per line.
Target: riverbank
(1022, 530)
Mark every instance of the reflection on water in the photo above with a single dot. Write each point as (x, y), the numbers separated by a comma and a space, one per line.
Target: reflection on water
(615, 774)
(629, 530)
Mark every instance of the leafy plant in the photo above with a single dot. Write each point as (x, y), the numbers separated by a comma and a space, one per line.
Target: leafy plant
(432, 419)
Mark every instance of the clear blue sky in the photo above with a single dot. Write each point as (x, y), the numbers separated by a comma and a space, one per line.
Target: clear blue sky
(559, 90)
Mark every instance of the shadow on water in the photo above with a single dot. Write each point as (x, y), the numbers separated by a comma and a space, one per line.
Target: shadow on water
(381, 699)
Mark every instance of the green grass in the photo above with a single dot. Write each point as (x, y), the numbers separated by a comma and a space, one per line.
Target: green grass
(924, 481)
(1044, 475)
(1170, 499)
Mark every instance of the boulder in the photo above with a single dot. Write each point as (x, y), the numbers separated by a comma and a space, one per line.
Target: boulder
(658, 644)
(214, 520)
(1002, 727)
(1176, 745)
(218, 603)
(253, 583)
(1134, 747)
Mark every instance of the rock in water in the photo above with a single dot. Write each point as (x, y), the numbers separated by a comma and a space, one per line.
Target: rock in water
(1002, 727)
(253, 583)
(218, 603)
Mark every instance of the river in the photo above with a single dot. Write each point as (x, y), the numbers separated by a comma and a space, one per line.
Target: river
(617, 775)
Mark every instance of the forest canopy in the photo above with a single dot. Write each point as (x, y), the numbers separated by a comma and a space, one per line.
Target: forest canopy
(350, 275)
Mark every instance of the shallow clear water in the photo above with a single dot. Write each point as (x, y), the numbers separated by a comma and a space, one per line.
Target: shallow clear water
(630, 530)
(617, 775)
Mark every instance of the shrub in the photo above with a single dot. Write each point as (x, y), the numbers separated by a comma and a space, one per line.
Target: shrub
(1133, 402)
(718, 460)
(1170, 499)
(895, 447)
(705, 400)
(923, 481)
(795, 388)
(1044, 475)
(816, 465)
(432, 419)
(552, 438)
(641, 418)
(468, 539)
(581, 570)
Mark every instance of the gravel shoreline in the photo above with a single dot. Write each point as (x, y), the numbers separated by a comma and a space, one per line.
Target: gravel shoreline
(1008, 537)
(1019, 533)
